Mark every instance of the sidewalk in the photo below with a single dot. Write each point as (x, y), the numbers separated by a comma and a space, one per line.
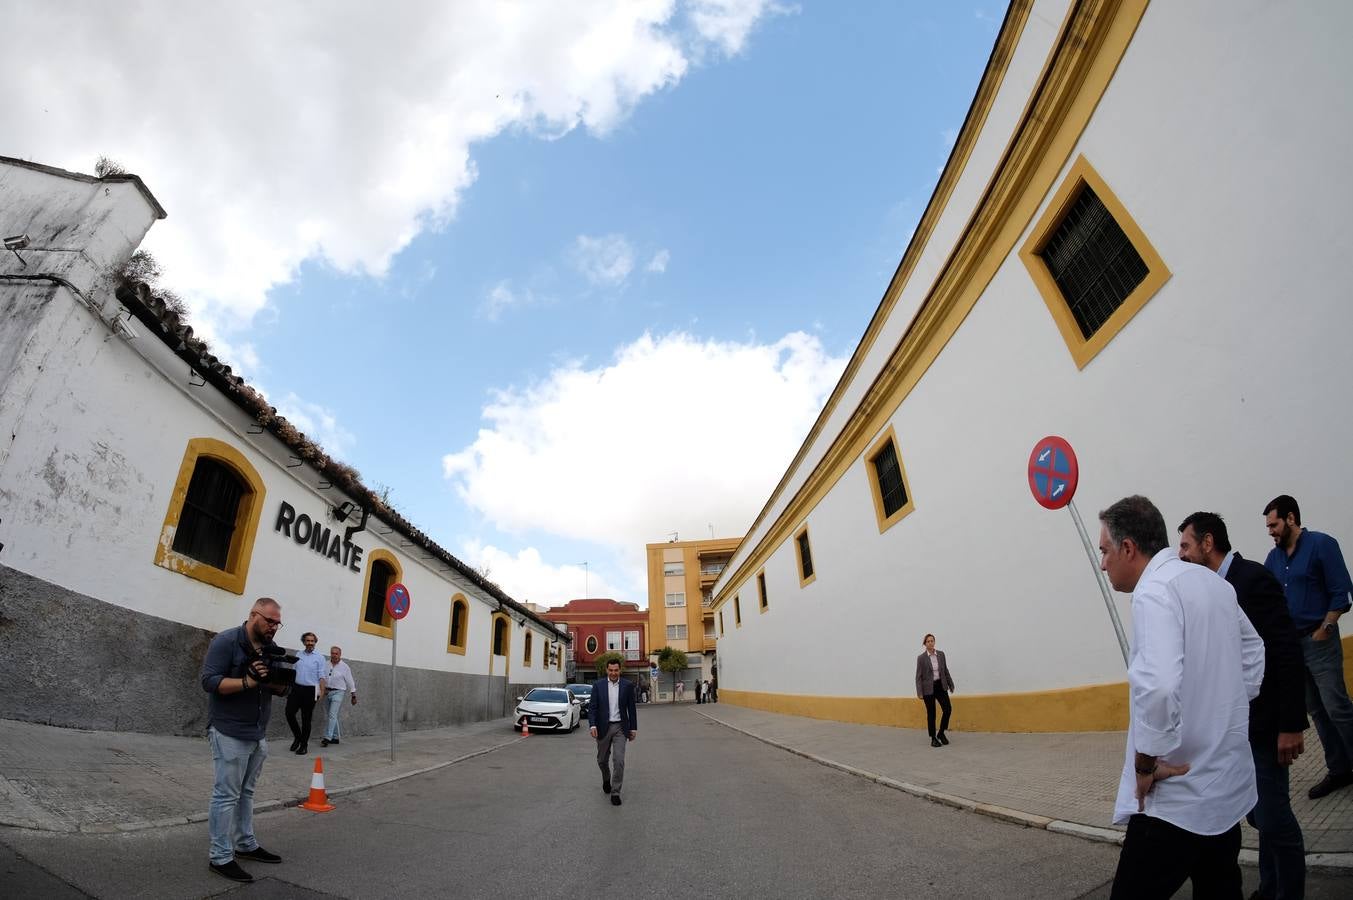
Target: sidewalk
(61, 779)
(1060, 782)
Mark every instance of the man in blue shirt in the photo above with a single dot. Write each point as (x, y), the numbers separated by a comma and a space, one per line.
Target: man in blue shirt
(1315, 579)
(308, 687)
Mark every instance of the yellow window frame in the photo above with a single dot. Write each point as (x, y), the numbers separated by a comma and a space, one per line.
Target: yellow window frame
(885, 522)
(458, 604)
(802, 536)
(386, 628)
(236, 572)
(1084, 349)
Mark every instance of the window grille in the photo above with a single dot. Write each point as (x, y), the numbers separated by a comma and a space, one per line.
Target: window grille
(805, 556)
(210, 509)
(1092, 261)
(761, 589)
(382, 576)
(889, 474)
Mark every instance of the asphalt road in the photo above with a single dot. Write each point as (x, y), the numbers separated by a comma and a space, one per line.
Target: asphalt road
(707, 813)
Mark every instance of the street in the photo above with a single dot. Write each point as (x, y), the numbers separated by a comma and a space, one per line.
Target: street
(707, 813)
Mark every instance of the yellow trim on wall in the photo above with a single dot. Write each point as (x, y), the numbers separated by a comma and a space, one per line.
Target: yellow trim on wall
(1087, 51)
(458, 601)
(762, 601)
(889, 436)
(1100, 707)
(1084, 349)
(386, 628)
(802, 536)
(236, 572)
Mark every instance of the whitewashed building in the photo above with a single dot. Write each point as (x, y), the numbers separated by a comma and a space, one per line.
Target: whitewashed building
(1138, 243)
(148, 497)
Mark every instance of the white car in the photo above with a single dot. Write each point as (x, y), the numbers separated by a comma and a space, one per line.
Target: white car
(555, 709)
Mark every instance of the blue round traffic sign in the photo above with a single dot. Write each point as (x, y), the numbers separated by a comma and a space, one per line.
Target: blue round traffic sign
(398, 601)
(1053, 472)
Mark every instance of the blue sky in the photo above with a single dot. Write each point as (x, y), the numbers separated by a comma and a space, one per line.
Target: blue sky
(586, 320)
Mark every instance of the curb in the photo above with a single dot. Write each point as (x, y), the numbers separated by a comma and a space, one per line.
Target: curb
(1332, 863)
(260, 807)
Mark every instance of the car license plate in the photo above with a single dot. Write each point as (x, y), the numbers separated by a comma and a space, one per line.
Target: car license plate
(539, 720)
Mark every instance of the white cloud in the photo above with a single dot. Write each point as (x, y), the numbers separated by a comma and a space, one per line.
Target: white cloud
(278, 133)
(659, 261)
(604, 261)
(525, 576)
(503, 296)
(674, 434)
(318, 422)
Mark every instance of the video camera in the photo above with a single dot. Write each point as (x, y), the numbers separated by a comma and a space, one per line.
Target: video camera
(281, 673)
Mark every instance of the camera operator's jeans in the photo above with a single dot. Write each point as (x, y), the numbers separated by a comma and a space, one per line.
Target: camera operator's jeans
(333, 705)
(230, 819)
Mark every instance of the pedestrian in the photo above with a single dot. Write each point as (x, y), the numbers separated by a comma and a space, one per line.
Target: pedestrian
(304, 693)
(236, 676)
(709, 692)
(714, 689)
(934, 684)
(680, 691)
(1188, 776)
(1277, 715)
(699, 692)
(1315, 579)
(338, 684)
(612, 716)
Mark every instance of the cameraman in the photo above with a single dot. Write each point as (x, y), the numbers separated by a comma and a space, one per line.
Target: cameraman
(235, 673)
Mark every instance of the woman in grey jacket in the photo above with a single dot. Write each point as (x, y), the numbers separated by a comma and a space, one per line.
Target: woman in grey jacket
(933, 682)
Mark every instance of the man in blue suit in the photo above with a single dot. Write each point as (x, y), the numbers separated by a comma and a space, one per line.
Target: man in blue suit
(614, 723)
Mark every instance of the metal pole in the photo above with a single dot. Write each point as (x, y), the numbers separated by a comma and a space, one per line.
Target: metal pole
(394, 639)
(1101, 580)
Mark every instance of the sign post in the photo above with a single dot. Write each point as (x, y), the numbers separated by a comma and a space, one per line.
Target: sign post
(1053, 477)
(397, 603)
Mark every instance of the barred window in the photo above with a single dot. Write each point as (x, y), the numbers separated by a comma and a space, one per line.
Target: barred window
(1092, 261)
(210, 511)
(805, 557)
(382, 576)
(892, 492)
(761, 591)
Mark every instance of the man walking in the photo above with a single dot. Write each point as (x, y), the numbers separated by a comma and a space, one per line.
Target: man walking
(1315, 579)
(308, 687)
(1188, 777)
(614, 723)
(338, 684)
(1277, 715)
(236, 677)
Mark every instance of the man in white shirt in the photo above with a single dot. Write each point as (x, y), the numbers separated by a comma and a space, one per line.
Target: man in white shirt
(614, 723)
(338, 684)
(1188, 777)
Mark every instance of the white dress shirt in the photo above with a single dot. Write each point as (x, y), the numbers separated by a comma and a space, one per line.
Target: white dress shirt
(613, 694)
(1196, 664)
(338, 677)
(934, 664)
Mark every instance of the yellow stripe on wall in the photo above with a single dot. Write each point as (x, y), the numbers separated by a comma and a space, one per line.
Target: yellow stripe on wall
(1098, 707)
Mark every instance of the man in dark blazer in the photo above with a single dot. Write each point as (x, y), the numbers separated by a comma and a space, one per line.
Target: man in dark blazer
(934, 684)
(614, 723)
(1278, 714)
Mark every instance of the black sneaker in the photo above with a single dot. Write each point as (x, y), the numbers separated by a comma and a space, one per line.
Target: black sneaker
(1329, 784)
(935, 742)
(324, 743)
(258, 854)
(302, 750)
(615, 799)
(943, 740)
(232, 871)
(294, 744)
(334, 741)
(606, 787)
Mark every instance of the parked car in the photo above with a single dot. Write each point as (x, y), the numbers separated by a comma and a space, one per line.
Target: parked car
(584, 694)
(553, 708)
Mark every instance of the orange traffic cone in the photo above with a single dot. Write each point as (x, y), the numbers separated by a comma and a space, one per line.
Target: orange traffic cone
(319, 801)
(525, 731)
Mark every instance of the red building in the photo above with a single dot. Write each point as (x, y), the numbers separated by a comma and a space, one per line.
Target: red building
(600, 626)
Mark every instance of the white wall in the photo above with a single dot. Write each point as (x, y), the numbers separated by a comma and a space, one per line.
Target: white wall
(1226, 138)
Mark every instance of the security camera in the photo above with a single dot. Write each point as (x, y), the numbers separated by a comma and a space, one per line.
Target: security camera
(17, 242)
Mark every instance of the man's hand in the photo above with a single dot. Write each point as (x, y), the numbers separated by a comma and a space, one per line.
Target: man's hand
(354, 699)
(592, 731)
(632, 735)
(1320, 634)
(1146, 782)
(258, 669)
(1291, 744)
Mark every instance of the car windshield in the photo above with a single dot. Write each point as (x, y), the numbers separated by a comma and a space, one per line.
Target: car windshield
(540, 695)
(582, 690)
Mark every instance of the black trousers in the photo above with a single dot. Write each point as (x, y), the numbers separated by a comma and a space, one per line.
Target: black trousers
(302, 699)
(1157, 858)
(942, 696)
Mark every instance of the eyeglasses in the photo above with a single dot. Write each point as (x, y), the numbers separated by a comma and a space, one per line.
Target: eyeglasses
(275, 623)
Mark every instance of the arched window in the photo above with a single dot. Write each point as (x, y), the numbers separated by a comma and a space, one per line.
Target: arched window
(526, 654)
(209, 529)
(457, 637)
(382, 570)
(501, 636)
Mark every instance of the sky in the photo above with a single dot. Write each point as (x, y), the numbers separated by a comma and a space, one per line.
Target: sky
(566, 278)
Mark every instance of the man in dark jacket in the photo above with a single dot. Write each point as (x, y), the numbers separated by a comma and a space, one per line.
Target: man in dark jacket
(614, 723)
(240, 702)
(1278, 714)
